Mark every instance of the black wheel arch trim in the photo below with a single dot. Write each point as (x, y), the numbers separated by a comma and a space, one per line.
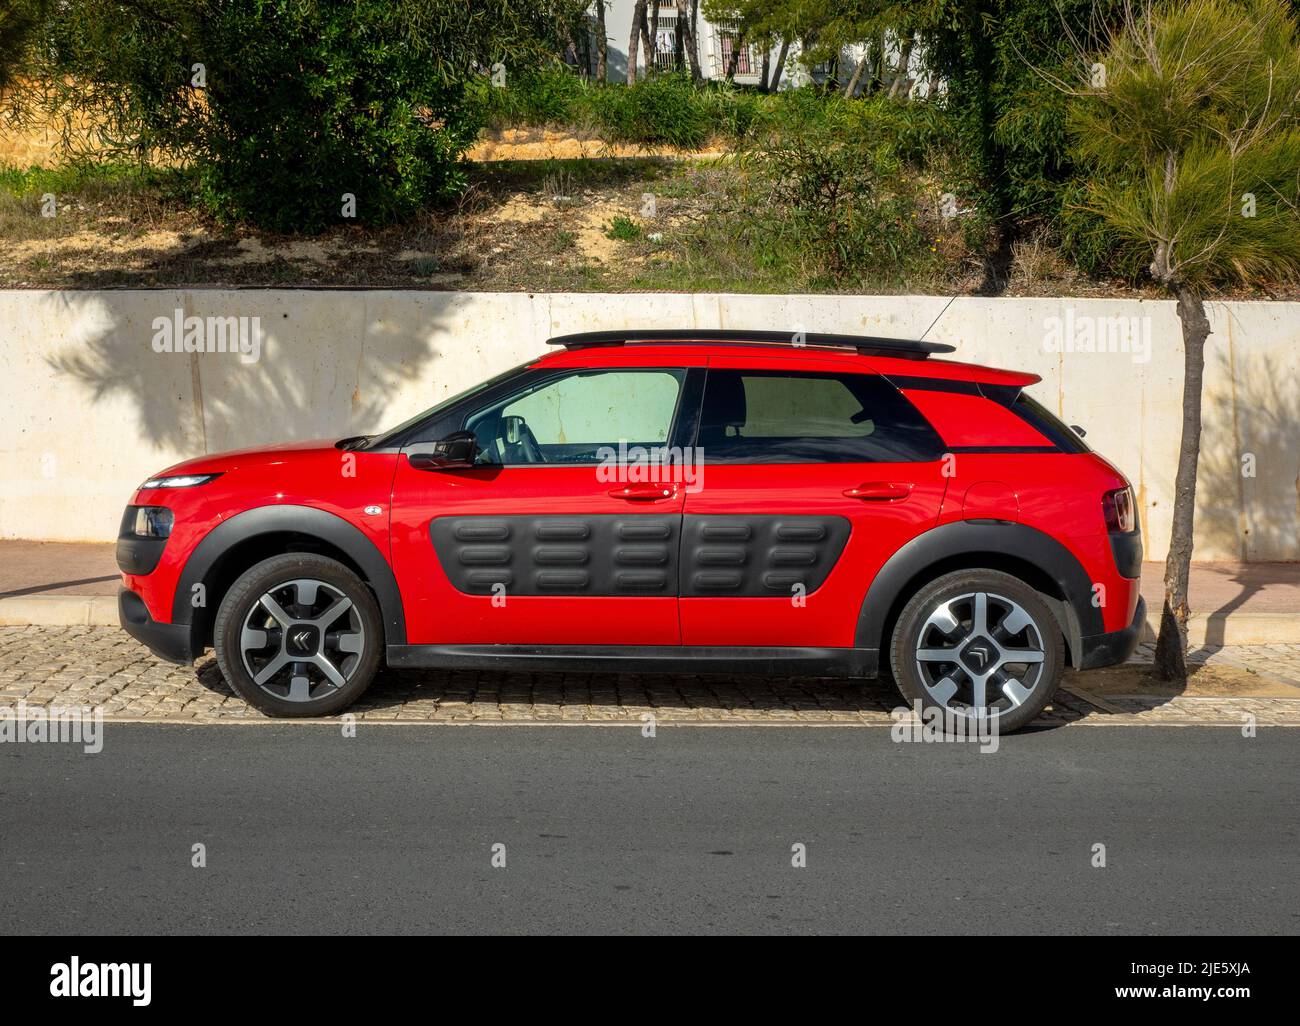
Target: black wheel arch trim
(1076, 615)
(307, 520)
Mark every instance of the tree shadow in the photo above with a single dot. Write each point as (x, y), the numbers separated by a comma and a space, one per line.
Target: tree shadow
(1249, 478)
(311, 376)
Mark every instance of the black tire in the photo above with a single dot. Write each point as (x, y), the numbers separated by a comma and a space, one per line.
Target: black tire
(285, 579)
(920, 641)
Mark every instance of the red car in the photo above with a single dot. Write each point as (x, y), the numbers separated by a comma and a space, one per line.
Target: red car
(697, 501)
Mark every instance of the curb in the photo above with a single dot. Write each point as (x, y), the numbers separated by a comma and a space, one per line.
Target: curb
(58, 611)
(101, 611)
(1238, 629)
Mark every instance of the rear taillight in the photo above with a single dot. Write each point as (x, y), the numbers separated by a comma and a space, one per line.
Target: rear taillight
(1121, 513)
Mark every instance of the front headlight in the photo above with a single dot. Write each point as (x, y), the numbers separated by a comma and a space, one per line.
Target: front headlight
(179, 481)
(152, 522)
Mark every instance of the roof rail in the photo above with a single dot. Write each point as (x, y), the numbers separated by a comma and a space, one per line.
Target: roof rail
(867, 345)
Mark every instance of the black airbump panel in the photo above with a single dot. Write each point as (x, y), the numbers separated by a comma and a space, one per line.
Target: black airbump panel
(604, 554)
(749, 557)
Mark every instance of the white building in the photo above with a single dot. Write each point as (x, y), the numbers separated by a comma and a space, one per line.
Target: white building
(716, 44)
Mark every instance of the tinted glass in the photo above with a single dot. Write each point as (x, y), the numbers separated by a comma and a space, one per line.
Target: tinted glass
(795, 417)
(1063, 436)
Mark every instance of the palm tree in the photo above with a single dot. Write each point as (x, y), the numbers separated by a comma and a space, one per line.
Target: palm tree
(1189, 127)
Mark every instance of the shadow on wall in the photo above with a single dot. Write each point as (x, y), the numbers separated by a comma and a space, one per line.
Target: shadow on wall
(616, 64)
(1249, 483)
(297, 376)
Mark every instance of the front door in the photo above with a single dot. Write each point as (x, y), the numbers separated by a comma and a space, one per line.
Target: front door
(812, 478)
(558, 535)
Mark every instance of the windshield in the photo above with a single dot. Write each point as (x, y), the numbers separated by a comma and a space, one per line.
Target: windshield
(390, 437)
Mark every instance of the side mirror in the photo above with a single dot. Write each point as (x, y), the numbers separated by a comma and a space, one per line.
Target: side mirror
(1078, 430)
(454, 452)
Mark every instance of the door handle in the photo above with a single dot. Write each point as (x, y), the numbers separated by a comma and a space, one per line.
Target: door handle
(644, 492)
(880, 491)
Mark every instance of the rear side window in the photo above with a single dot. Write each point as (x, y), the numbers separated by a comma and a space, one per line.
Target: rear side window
(1052, 427)
(807, 417)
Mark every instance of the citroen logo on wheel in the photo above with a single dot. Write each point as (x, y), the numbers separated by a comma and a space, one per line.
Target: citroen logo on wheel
(978, 656)
(302, 640)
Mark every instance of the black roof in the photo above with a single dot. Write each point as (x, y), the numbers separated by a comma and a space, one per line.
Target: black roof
(871, 345)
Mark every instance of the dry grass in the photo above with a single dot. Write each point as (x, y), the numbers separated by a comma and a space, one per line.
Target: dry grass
(523, 225)
(1034, 261)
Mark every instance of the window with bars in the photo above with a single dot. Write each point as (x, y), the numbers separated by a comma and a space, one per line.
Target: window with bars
(728, 36)
(666, 41)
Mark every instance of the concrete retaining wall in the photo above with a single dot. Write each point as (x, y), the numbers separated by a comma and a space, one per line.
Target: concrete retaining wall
(88, 408)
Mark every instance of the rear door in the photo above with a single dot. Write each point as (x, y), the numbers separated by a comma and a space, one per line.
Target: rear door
(561, 534)
(813, 475)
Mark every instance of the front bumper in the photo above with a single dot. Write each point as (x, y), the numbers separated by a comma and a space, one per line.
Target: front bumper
(171, 641)
(1100, 650)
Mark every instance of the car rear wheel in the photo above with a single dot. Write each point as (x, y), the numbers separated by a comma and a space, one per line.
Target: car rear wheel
(298, 635)
(979, 642)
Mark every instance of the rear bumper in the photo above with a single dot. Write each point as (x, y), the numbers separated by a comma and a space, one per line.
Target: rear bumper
(1115, 647)
(1127, 550)
(171, 641)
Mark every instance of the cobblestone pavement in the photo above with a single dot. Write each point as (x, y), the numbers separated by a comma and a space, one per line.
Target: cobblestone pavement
(101, 666)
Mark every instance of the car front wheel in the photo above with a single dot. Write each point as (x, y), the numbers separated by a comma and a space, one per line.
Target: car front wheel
(978, 642)
(298, 635)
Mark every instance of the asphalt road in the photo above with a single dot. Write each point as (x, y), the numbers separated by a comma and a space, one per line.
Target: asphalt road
(692, 831)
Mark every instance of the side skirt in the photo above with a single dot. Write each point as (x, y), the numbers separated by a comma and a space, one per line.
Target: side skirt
(775, 662)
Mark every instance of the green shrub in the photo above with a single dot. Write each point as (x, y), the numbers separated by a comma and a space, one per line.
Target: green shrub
(304, 100)
(1089, 243)
(663, 109)
(624, 229)
(818, 200)
(547, 96)
(77, 177)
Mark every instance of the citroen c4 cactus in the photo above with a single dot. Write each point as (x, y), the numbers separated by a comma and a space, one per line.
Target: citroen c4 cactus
(697, 501)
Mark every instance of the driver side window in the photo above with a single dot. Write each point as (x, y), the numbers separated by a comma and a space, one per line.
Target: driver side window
(570, 419)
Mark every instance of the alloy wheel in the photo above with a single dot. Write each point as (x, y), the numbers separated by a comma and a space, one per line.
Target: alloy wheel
(302, 640)
(980, 652)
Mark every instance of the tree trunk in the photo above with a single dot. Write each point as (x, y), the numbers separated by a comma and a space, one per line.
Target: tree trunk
(733, 62)
(767, 67)
(1171, 645)
(638, 16)
(646, 45)
(899, 87)
(570, 45)
(652, 65)
(875, 56)
(602, 44)
(780, 64)
(852, 87)
(690, 37)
